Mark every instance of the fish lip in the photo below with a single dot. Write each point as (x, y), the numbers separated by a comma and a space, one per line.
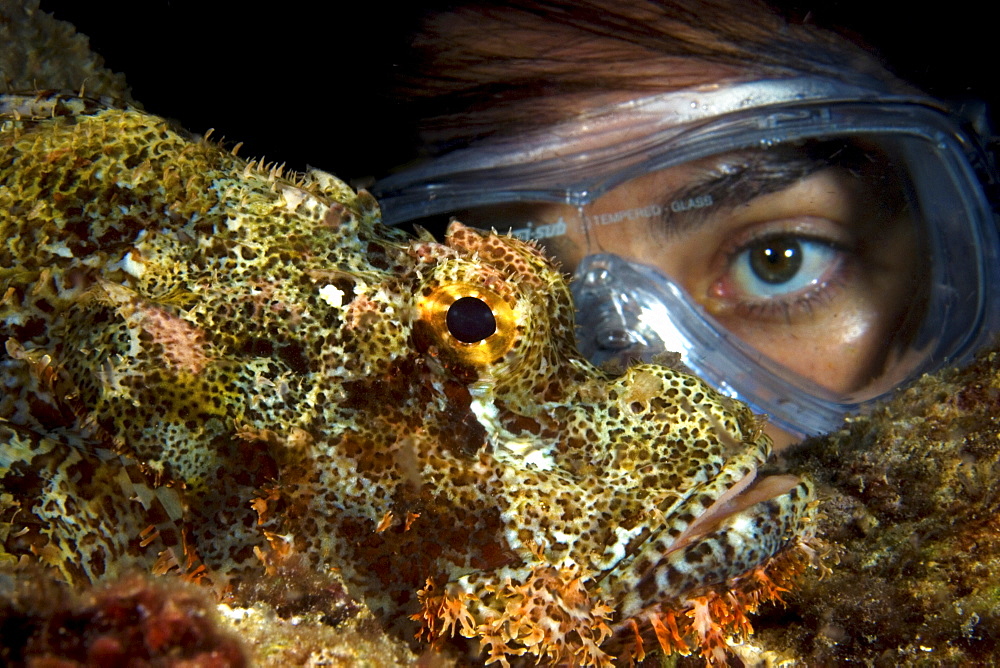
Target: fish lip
(746, 492)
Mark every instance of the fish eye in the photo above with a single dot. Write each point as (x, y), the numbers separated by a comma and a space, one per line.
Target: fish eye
(471, 320)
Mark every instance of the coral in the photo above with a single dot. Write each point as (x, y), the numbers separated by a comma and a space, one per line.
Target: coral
(292, 589)
(716, 620)
(551, 616)
(40, 52)
(309, 639)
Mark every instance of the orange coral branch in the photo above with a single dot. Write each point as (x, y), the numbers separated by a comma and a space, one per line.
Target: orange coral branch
(385, 522)
(442, 613)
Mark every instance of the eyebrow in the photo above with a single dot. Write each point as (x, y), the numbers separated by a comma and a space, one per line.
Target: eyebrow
(731, 183)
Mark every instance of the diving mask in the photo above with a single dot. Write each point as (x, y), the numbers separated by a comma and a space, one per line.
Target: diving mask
(805, 245)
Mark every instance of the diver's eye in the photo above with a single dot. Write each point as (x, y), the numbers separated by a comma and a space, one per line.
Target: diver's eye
(776, 260)
(780, 265)
(471, 320)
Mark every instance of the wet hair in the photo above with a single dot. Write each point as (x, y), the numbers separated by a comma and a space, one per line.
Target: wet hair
(488, 68)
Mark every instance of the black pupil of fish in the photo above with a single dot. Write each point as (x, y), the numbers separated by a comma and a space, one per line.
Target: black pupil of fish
(776, 260)
(471, 320)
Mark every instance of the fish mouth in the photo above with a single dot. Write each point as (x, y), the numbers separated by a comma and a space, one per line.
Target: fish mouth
(743, 528)
(696, 589)
(747, 492)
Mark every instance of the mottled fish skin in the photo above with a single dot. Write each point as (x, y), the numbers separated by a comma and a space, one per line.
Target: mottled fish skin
(213, 369)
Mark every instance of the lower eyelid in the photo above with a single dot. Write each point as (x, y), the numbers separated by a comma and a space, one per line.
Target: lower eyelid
(786, 310)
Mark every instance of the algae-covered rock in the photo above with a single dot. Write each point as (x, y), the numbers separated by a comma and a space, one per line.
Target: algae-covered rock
(910, 498)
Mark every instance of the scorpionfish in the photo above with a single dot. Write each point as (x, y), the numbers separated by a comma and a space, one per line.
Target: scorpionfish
(214, 368)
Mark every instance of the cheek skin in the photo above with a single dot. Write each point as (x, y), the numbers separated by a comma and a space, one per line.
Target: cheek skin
(840, 354)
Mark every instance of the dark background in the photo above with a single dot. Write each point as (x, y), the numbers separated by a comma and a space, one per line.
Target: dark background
(303, 83)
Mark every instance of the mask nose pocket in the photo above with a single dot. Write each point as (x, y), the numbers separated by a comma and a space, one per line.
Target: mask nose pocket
(608, 310)
(619, 319)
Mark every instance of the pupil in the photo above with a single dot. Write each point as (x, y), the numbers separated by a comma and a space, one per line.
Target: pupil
(471, 320)
(776, 260)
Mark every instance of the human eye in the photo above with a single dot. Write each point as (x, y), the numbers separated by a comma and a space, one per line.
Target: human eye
(781, 274)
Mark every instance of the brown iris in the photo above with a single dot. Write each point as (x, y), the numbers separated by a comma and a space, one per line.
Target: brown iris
(776, 260)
